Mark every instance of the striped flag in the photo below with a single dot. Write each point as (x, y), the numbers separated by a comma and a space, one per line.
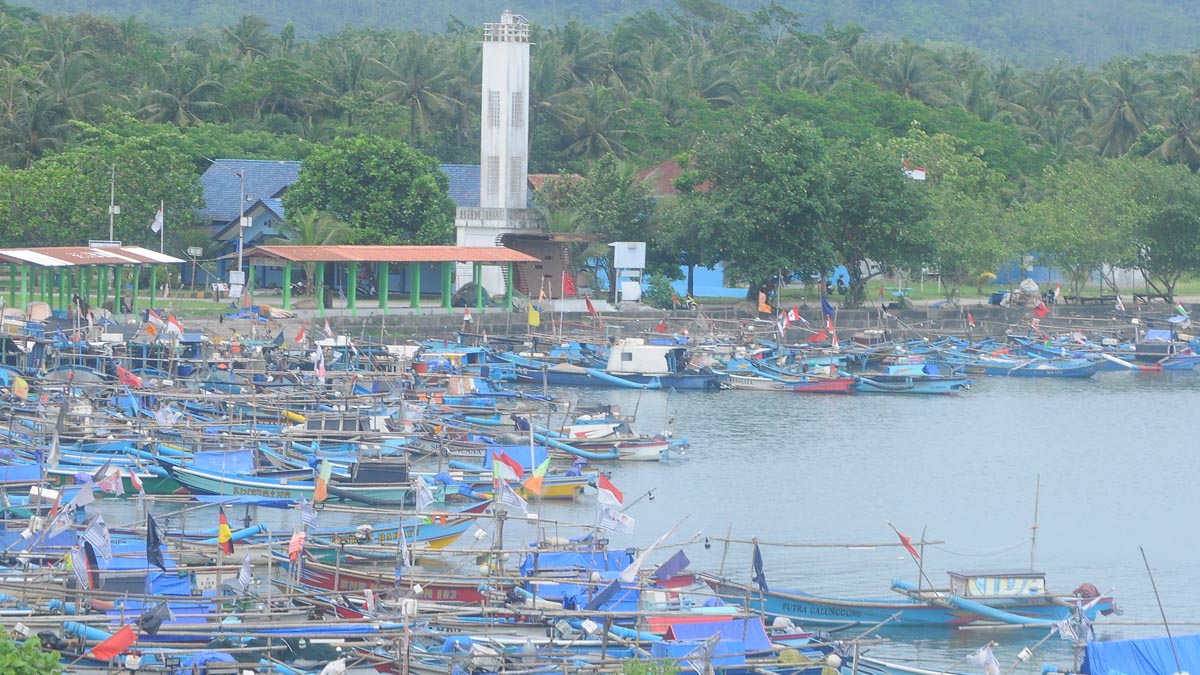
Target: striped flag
(509, 497)
(97, 535)
(245, 576)
(308, 515)
(424, 496)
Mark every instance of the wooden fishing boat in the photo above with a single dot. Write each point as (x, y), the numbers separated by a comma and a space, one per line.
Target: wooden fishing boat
(210, 483)
(434, 587)
(1016, 598)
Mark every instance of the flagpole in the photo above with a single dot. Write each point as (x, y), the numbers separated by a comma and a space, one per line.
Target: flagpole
(162, 229)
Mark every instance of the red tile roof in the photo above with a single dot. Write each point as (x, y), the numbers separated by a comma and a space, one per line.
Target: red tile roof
(472, 254)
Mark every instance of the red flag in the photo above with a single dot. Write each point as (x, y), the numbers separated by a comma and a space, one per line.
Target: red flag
(881, 290)
(591, 308)
(127, 378)
(119, 642)
(136, 482)
(1041, 311)
(970, 320)
(300, 335)
(609, 494)
(224, 534)
(568, 284)
(819, 336)
(513, 466)
(907, 544)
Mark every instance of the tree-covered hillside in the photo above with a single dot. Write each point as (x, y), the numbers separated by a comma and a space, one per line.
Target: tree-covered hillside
(1032, 32)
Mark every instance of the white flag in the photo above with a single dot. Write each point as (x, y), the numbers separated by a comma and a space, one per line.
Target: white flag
(308, 515)
(157, 225)
(424, 495)
(615, 521)
(79, 565)
(244, 575)
(629, 574)
(509, 497)
(97, 534)
(985, 659)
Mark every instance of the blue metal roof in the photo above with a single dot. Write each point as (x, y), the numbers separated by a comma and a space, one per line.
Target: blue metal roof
(266, 179)
(464, 183)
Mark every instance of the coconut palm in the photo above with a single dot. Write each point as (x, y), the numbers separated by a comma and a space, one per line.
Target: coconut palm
(1125, 102)
(183, 92)
(417, 75)
(311, 228)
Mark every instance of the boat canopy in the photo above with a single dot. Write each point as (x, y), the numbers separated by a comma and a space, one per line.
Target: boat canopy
(1147, 656)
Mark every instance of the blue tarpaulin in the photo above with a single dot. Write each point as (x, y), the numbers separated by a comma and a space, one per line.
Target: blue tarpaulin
(229, 463)
(726, 653)
(528, 458)
(749, 631)
(1152, 656)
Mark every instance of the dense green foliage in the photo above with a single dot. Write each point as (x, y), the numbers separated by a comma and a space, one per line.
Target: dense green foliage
(27, 658)
(1023, 31)
(793, 140)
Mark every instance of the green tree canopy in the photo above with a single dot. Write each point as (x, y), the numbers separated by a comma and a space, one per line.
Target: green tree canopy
(385, 190)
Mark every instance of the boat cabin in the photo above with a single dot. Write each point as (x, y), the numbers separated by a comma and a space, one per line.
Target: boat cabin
(1002, 583)
(633, 356)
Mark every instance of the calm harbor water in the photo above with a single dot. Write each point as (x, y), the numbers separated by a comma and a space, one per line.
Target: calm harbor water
(1116, 456)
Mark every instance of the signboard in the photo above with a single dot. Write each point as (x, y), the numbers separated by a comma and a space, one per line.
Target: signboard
(629, 255)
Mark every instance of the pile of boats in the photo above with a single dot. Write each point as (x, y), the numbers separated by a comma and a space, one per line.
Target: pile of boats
(370, 486)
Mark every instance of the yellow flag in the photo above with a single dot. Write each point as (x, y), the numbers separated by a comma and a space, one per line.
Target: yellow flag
(20, 387)
(535, 317)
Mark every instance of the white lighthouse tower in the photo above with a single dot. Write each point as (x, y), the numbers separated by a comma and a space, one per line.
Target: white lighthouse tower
(503, 148)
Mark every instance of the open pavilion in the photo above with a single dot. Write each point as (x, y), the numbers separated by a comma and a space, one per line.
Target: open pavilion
(55, 274)
(384, 257)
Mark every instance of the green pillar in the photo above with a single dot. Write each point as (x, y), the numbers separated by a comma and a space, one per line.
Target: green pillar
(320, 281)
(508, 289)
(133, 304)
(62, 283)
(85, 285)
(384, 271)
(24, 286)
(477, 277)
(287, 284)
(352, 288)
(101, 285)
(447, 284)
(249, 289)
(153, 284)
(118, 275)
(12, 284)
(44, 282)
(414, 286)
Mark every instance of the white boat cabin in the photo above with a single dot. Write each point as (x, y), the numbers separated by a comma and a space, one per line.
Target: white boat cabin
(993, 584)
(632, 356)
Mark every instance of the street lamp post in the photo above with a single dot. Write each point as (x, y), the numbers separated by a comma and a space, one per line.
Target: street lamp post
(237, 277)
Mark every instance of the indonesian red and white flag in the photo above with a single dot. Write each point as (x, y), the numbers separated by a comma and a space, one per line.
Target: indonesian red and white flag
(506, 467)
(300, 335)
(914, 172)
(608, 493)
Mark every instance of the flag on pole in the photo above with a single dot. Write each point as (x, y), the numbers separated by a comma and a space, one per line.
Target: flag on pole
(1179, 308)
(568, 284)
(77, 561)
(534, 482)
(506, 467)
(1120, 305)
(111, 483)
(244, 575)
(136, 482)
(174, 328)
(509, 497)
(985, 659)
(323, 473)
(587, 299)
(157, 225)
(672, 567)
(1057, 293)
(155, 319)
(96, 534)
(278, 341)
(906, 542)
(608, 493)
(154, 554)
(405, 558)
(759, 577)
(1041, 311)
(20, 388)
(534, 317)
(329, 330)
(150, 622)
(224, 534)
(970, 321)
(300, 335)
(612, 520)
(424, 496)
(629, 574)
(308, 515)
(114, 645)
(826, 308)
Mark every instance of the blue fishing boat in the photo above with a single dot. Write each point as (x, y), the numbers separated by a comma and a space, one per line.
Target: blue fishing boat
(1016, 598)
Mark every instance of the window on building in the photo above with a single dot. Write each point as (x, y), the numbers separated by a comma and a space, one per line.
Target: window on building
(516, 178)
(518, 110)
(493, 178)
(493, 108)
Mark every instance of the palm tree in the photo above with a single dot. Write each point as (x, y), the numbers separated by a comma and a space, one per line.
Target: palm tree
(417, 75)
(311, 228)
(1125, 102)
(184, 92)
(600, 132)
(249, 37)
(1181, 124)
(39, 123)
(74, 84)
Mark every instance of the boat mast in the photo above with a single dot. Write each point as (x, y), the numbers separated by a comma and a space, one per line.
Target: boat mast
(1034, 528)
